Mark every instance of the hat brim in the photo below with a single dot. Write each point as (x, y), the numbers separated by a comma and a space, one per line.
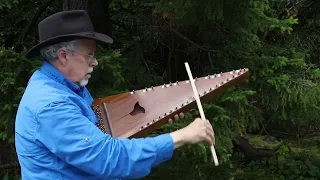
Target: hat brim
(98, 37)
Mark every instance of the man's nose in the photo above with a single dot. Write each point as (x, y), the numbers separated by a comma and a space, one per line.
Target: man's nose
(94, 63)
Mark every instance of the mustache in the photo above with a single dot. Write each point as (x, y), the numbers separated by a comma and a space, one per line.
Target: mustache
(90, 71)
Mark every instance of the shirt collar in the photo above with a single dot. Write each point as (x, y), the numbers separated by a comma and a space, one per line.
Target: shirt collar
(56, 75)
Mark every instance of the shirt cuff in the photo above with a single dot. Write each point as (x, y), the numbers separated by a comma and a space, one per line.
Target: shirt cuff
(165, 148)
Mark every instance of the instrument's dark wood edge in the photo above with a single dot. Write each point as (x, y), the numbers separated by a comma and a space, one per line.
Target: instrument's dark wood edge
(107, 118)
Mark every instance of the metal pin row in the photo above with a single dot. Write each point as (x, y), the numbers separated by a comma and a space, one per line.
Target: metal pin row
(235, 72)
(214, 76)
(170, 84)
(238, 71)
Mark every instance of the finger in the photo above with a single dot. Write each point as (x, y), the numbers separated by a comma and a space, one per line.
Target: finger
(207, 138)
(170, 121)
(210, 133)
(209, 125)
(176, 117)
(205, 133)
(181, 115)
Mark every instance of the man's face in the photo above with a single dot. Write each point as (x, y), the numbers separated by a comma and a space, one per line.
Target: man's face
(81, 62)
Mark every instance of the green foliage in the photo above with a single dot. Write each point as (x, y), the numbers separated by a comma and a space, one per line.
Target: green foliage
(8, 3)
(288, 87)
(16, 71)
(107, 76)
(277, 40)
(287, 166)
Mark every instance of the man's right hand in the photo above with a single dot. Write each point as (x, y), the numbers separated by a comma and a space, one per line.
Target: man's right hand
(198, 131)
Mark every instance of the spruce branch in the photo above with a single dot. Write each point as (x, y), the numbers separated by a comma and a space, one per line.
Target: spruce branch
(10, 165)
(188, 40)
(35, 18)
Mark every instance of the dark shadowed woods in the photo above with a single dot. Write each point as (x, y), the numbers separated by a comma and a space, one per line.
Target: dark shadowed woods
(266, 128)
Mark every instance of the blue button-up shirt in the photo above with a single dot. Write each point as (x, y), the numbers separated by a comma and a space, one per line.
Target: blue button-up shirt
(56, 136)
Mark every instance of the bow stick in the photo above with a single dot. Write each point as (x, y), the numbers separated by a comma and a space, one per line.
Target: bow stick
(213, 151)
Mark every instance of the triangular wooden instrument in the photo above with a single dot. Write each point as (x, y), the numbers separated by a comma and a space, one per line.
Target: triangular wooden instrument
(137, 113)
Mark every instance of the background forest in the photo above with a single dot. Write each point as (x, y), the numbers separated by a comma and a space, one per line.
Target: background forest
(266, 128)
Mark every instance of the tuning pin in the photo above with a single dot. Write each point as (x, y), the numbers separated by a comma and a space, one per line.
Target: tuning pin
(205, 92)
(187, 81)
(165, 114)
(132, 92)
(176, 108)
(163, 86)
(207, 77)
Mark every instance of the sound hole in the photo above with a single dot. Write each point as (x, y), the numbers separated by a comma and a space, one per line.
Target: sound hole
(137, 109)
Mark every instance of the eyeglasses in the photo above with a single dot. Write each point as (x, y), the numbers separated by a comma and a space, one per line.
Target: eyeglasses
(92, 58)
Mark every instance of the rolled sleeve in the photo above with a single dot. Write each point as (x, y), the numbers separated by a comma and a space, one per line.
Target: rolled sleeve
(67, 133)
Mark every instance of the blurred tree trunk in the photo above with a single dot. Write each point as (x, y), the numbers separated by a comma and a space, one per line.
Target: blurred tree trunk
(98, 11)
(75, 4)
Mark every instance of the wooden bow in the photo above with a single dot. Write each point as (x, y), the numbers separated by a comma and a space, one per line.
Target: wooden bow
(196, 96)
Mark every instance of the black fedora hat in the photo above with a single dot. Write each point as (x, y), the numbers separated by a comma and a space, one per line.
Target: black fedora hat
(66, 26)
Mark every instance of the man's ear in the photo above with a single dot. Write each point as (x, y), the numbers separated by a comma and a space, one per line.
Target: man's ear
(62, 57)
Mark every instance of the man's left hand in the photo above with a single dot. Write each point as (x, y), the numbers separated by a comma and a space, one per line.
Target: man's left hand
(176, 117)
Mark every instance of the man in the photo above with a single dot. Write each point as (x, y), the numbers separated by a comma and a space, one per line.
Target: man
(56, 132)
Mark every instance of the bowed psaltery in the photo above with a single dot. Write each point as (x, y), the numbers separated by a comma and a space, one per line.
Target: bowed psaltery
(139, 112)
